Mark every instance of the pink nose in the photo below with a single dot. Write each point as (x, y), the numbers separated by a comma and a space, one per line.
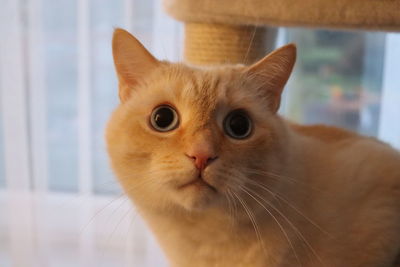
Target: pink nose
(201, 160)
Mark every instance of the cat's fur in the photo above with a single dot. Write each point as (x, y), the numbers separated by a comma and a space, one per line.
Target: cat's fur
(314, 195)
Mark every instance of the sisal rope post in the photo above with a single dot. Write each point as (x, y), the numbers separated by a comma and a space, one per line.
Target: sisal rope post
(211, 44)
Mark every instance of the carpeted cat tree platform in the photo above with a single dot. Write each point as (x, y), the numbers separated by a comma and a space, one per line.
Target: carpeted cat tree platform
(239, 31)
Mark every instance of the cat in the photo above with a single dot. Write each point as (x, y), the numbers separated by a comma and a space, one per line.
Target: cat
(223, 180)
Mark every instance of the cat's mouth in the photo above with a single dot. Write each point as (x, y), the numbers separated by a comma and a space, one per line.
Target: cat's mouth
(198, 182)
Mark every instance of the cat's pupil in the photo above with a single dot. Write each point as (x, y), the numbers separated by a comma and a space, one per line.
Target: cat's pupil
(237, 125)
(164, 117)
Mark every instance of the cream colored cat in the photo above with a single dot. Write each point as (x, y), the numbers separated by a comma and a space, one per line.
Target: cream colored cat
(223, 180)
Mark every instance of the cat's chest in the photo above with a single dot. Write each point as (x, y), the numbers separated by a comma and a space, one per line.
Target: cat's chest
(215, 253)
(223, 246)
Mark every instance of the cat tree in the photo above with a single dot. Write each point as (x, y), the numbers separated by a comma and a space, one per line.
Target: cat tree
(237, 31)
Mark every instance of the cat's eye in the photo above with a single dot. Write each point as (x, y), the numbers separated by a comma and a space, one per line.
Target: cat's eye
(238, 125)
(164, 118)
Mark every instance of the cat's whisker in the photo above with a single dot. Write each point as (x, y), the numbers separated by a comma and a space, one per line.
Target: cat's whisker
(275, 195)
(116, 209)
(271, 174)
(155, 184)
(152, 172)
(281, 178)
(149, 176)
(298, 232)
(118, 224)
(246, 189)
(280, 197)
(100, 211)
(276, 220)
(131, 223)
(230, 208)
(235, 204)
(243, 186)
(253, 221)
(142, 183)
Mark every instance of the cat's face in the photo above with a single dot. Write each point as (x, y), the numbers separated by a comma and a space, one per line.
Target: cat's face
(189, 137)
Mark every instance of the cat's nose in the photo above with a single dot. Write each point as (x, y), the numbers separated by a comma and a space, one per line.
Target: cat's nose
(201, 159)
(201, 149)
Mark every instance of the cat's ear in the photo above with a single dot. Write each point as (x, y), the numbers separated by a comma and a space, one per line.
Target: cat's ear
(273, 71)
(132, 61)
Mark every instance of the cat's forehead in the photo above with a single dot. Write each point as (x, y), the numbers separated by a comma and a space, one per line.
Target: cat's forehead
(204, 89)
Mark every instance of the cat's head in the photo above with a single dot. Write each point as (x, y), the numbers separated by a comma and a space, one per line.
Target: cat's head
(188, 137)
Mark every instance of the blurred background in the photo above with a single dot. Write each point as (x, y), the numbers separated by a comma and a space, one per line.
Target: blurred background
(59, 203)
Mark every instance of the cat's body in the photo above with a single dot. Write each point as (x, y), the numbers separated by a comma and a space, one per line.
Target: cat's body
(280, 195)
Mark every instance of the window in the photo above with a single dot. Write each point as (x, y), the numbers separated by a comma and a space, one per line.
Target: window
(338, 79)
(2, 171)
(103, 89)
(60, 53)
(345, 79)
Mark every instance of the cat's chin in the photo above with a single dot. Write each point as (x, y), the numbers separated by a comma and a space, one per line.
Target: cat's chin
(196, 195)
(199, 184)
